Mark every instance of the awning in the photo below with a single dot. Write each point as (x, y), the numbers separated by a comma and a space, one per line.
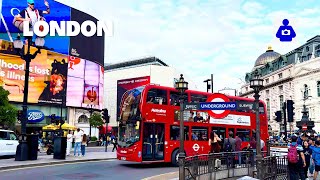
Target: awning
(67, 126)
(50, 127)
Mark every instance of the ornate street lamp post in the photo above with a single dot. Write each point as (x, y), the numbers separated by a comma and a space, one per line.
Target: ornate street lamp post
(22, 149)
(257, 84)
(181, 86)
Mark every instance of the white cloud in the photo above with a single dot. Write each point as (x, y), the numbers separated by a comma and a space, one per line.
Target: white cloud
(253, 8)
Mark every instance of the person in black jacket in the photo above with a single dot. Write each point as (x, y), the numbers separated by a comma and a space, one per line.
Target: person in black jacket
(115, 143)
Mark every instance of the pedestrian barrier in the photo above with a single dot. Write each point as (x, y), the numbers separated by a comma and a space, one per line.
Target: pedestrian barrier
(233, 164)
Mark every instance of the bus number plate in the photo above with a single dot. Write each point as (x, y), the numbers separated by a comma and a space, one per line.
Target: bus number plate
(123, 158)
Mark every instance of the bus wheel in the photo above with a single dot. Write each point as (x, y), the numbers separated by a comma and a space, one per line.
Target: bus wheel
(174, 158)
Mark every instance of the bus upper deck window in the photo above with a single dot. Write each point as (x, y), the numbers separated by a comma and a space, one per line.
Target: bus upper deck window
(157, 96)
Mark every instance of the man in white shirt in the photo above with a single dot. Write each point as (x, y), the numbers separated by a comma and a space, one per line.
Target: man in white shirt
(69, 142)
(78, 139)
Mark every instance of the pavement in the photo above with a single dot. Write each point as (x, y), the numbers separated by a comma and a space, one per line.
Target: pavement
(6, 164)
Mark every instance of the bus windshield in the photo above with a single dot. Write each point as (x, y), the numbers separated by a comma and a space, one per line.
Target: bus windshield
(129, 107)
(129, 134)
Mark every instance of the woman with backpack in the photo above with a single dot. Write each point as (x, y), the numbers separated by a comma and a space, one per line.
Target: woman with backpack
(296, 160)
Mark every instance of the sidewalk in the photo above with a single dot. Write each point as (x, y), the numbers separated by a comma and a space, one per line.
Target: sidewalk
(48, 160)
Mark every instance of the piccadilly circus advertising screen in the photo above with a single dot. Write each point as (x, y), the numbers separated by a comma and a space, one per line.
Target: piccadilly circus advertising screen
(69, 70)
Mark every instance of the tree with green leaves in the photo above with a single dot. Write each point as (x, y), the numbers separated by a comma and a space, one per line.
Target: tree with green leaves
(96, 120)
(8, 113)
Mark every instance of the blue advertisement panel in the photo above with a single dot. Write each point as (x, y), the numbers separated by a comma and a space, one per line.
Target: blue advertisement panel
(58, 12)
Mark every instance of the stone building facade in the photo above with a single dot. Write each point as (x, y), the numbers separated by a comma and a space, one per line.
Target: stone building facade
(288, 77)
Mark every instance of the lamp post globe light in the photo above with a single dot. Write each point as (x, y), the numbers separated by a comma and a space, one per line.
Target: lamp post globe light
(181, 86)
(22, 149)
(257, 84)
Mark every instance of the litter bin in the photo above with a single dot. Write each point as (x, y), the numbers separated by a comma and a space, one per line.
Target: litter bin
(60, 146)
(32, 141)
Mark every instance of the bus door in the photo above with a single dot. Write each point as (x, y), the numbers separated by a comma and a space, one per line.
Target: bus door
(153, 142)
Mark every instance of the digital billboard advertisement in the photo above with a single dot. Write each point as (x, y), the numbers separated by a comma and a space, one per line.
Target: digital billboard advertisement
(58, 12)
(69, 70)
(79, 46)
(47, 81)
(85, 83)
(127, 92)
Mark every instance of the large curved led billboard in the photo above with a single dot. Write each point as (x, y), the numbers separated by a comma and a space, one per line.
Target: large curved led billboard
(85, 83)
(78, 84)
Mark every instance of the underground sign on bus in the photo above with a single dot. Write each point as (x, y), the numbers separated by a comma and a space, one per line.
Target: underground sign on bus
(218, 106)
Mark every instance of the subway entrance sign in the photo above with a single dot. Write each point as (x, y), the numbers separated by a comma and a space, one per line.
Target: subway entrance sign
(218, 106)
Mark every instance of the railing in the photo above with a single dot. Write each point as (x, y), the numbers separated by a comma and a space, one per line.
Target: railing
(233, 164)
(275, 168)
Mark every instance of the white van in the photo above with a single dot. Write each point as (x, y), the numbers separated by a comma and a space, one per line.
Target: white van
(8, 143)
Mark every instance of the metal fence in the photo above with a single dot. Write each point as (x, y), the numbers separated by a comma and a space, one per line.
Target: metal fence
(233, 164)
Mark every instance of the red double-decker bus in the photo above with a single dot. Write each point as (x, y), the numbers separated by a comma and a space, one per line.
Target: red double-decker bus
(149, 124)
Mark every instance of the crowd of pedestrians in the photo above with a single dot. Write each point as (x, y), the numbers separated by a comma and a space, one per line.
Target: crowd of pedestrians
(304, 156)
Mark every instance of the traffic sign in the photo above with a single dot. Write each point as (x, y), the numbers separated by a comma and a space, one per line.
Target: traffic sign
(191, 106)
(219, 106)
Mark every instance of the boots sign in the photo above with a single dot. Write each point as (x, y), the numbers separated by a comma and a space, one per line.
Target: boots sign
(35, 116)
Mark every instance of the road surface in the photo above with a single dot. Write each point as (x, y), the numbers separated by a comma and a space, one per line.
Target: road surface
(111, 169)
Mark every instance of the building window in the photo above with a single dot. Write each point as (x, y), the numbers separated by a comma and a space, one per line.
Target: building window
(267, 81)
(280, 75)
(83, 119)
(281, 103)
(268, 108)
(246, 89)
(280, 88)
(267, 92)
(309, 56)
(307, 48)
(318, 88)
(318, 53)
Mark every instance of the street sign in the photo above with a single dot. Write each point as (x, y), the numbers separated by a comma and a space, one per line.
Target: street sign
(242, 105)
(191, 106)
(219, 106)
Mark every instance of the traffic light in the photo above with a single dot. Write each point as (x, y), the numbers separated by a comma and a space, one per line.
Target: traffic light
(278, 116)
(53, 118)
(20, 115)
(105, 115)
(290, 110)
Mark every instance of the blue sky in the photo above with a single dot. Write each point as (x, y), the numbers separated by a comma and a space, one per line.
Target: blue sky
(200, 37)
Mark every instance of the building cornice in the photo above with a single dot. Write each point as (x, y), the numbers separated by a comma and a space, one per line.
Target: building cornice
(308, 73)
(282, 81)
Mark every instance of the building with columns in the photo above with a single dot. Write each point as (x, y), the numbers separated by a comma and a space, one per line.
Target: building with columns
(289, 77)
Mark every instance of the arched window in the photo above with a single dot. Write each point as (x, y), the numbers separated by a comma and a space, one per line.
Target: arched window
(83, 119)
